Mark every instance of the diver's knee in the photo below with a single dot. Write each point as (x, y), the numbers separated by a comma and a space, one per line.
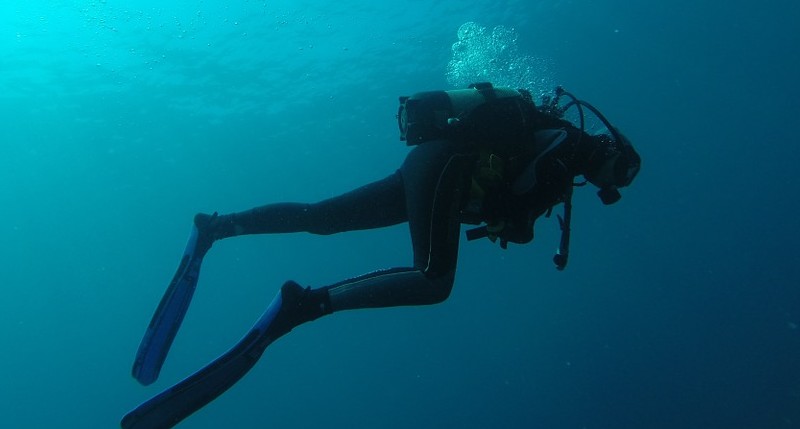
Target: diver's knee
(318, 220)
(442, 285)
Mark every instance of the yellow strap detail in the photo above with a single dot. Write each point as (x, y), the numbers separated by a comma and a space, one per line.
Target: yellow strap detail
(495, 229)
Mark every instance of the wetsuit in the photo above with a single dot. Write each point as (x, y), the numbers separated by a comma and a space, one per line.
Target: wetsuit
(429, 191)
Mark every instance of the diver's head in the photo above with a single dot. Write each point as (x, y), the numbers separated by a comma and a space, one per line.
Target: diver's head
(612, 164)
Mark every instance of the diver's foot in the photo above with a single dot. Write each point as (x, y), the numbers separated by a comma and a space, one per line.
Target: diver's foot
(206, 231)
(299, 305)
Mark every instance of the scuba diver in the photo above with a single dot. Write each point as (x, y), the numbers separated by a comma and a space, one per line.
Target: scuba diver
(485, 155)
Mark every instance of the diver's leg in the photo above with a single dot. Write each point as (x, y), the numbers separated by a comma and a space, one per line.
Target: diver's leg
(428, 190)
(374, 205)
(435, 176)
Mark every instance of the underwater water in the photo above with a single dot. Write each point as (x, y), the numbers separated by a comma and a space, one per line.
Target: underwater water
(120, 120)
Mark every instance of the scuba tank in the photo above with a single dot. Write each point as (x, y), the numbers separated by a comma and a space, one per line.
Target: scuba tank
(478, 113)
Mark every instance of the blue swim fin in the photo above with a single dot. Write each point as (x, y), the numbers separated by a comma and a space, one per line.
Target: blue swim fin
(181, 400)
(170, 312)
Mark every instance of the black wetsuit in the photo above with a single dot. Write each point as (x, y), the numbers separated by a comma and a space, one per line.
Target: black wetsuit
(430, 191)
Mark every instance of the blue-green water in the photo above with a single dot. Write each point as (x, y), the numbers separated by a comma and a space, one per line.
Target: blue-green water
(680, 307)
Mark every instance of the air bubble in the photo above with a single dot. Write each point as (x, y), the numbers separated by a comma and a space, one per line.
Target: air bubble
(481, 55)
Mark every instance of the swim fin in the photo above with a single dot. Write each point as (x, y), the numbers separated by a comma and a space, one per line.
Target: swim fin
(170, 312)
(168, 408)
